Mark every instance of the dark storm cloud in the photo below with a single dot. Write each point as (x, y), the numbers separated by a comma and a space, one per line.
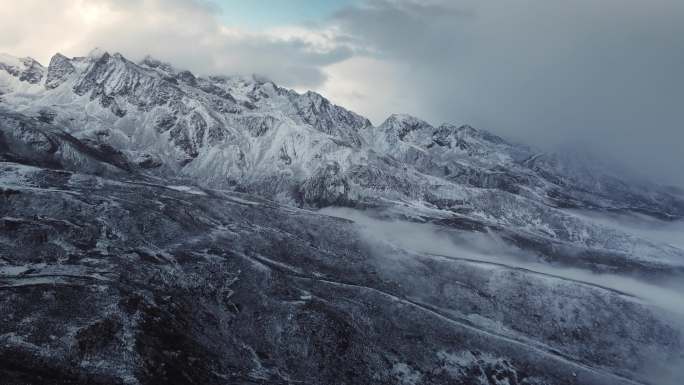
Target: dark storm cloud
(605, 74)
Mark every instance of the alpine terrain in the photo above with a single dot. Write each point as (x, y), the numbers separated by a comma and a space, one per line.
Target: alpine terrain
(159, 227)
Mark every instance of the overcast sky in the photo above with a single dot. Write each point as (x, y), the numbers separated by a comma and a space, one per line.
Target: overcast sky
(603, 74)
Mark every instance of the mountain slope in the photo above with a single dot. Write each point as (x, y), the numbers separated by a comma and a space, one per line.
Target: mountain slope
(177, 207)
(247, 134)
(135, 282)
(235, 130)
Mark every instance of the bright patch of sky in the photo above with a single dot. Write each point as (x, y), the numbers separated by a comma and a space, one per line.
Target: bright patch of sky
(257, 14)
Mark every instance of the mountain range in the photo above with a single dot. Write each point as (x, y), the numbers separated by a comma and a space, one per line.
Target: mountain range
(163, 227)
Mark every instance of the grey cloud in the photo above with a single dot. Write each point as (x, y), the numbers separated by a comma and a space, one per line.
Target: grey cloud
(605, 75)
(400, 29)
(187, 33)
(197, 42)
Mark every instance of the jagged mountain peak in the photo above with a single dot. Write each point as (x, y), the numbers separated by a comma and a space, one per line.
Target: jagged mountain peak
(59, 55)
(467, 128)
(96, 53)
(18, 61)
(159, 65)
(405, 128)
(247, 131)
(468, 132)
(404, 119)
(10, 60)
(329, 118)
(25, 69)
(404, 123)
(59, 58)
(315, 96)
(59, 69)
(260, 79)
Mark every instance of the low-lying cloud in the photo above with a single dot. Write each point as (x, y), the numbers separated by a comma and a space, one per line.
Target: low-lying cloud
(489, 248)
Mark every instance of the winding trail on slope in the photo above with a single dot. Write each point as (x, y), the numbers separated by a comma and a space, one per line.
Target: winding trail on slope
(597, 376)
(533, 272)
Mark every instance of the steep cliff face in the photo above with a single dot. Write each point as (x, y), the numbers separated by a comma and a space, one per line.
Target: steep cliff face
(177, 207)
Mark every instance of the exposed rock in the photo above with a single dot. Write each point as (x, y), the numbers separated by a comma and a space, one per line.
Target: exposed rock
(59, 70)
(326, 187)
(24, 69)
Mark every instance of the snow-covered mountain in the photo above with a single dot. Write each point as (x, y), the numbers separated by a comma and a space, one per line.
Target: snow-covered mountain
(247, 134)
(104, 143)
(228, 131)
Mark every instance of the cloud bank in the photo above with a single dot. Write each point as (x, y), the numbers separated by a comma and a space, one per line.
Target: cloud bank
(488, 248)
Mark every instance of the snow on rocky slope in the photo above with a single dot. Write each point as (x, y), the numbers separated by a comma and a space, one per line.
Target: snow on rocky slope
(116, 166)
(227, 131)
(247, 134)
(104, 281)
